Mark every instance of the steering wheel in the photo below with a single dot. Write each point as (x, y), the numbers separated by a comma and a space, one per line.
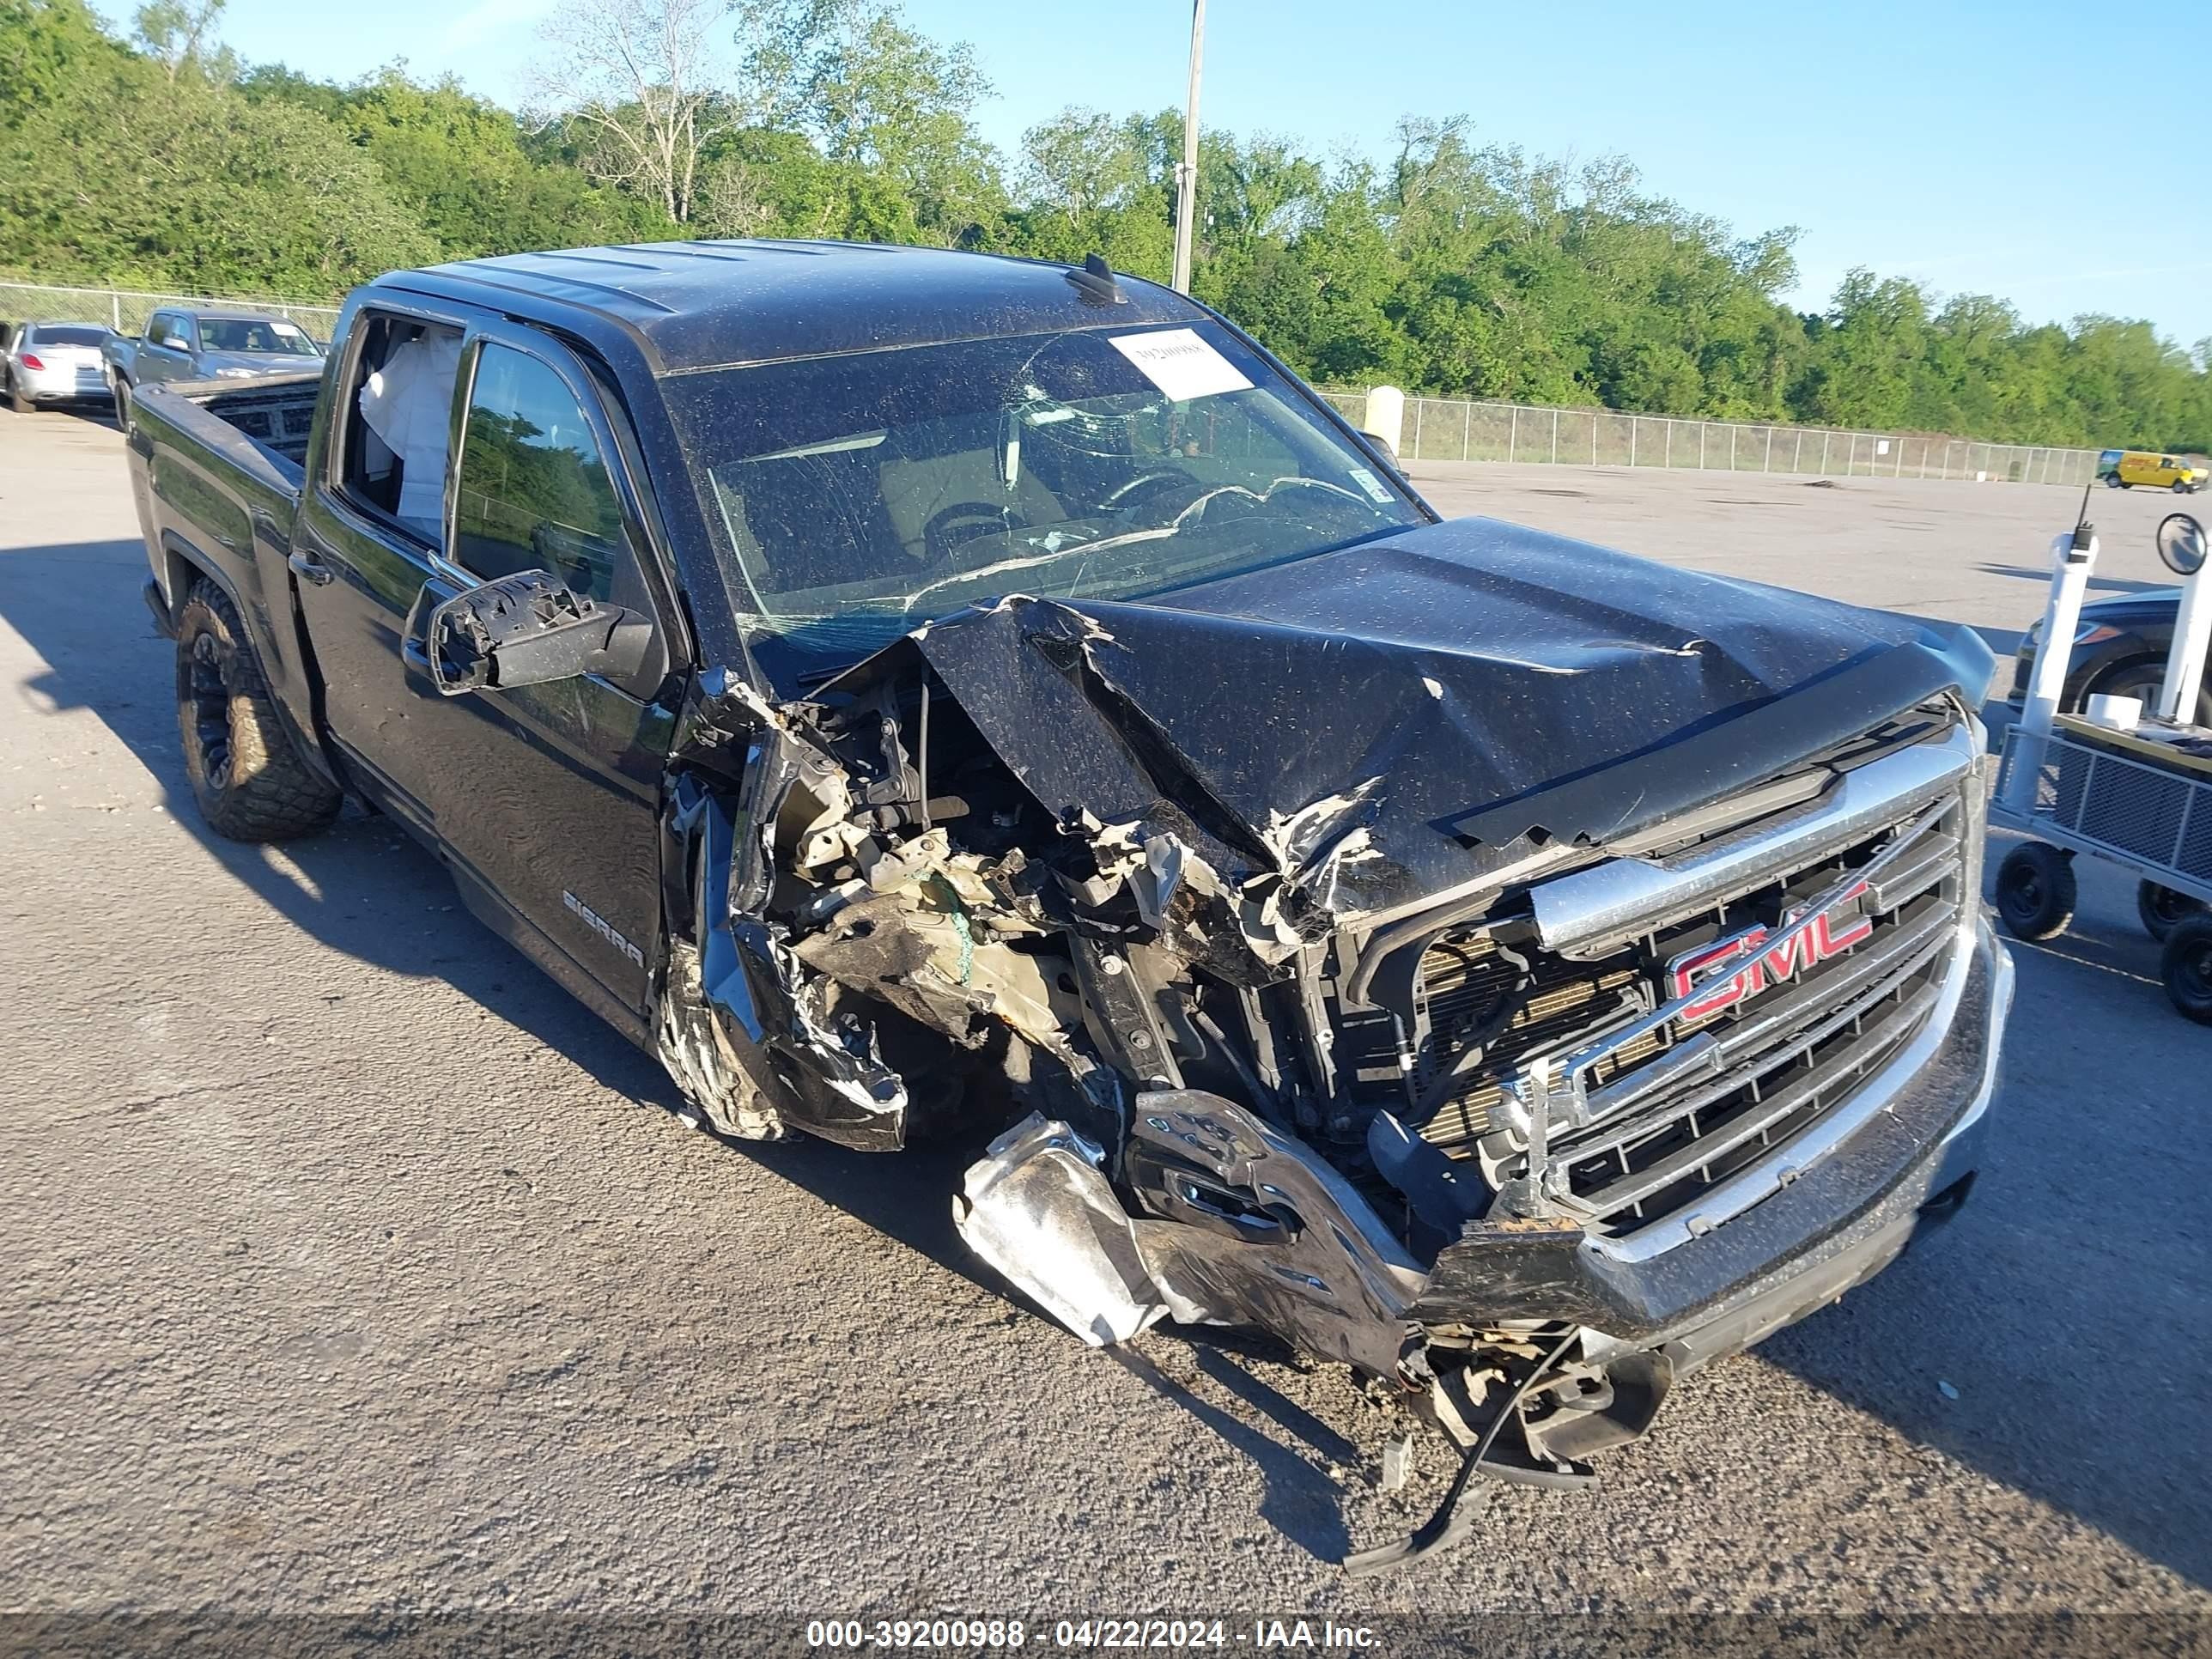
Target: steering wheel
(1145, 483)
(962, 522)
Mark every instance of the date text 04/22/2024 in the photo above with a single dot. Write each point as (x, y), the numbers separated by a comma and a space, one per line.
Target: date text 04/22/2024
(1090, 1633)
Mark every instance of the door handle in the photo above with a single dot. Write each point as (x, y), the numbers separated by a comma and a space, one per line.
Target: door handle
(308, 569)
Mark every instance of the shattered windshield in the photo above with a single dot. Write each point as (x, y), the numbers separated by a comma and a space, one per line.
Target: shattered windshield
(863, 493)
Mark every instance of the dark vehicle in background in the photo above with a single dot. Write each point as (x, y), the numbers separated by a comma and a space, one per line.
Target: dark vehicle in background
(53, 363)
(183, 344)
(915, 692)
(2120, 647)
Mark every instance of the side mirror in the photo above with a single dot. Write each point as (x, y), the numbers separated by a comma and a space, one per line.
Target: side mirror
(1385, 446)
(2181, 544)
(530, 629)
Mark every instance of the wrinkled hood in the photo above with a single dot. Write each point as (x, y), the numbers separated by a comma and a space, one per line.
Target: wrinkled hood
(1384, 723)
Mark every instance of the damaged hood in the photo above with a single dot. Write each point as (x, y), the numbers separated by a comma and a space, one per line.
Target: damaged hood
(1383, 724)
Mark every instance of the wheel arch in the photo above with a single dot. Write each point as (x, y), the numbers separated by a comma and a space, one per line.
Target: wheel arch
(183, 564)
(2108, 674)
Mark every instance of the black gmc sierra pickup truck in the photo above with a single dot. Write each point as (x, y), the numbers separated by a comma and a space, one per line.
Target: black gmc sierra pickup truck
(904, 688)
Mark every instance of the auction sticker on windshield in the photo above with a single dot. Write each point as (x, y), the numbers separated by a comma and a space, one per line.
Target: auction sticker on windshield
(1179, 363)
(1367, 482)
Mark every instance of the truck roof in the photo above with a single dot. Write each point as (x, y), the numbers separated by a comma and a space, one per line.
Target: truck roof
(709, 304)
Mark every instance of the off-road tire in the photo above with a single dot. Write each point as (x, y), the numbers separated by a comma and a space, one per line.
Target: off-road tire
(249, 782)
(2163, 909)
(2185, 965)
(2036, 891)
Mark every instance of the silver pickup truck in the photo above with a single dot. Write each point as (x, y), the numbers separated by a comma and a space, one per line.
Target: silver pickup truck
(205, 345)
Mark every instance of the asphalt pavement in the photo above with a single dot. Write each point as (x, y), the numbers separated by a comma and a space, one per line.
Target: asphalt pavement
(349, 1264)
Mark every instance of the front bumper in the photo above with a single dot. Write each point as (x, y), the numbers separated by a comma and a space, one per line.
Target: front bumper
(1836, 1224)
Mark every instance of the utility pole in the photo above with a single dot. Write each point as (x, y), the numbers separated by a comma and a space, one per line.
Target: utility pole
(1186, 174)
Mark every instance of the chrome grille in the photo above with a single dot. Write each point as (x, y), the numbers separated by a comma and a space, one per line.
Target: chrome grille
(1666, 1108)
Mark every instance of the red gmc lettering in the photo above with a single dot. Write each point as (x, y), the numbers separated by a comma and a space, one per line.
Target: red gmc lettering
(1808, 949)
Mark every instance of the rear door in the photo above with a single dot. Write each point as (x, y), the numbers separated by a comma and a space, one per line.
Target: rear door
(545, 798)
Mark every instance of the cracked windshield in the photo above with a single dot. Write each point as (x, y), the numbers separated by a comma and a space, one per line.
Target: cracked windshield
(863, 493)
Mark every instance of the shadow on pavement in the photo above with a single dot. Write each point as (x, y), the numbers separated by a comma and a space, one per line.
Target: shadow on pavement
(2041, 578)
(370, 891)
(2065, 1303)
(90, 413)
(1302, 1502)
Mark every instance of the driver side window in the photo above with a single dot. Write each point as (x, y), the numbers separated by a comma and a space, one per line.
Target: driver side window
(533, 492)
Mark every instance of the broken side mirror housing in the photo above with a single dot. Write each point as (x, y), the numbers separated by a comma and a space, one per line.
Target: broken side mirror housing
(529, 629)
(1383, 443)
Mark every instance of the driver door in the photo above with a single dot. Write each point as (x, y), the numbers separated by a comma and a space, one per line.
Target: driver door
(545, 798)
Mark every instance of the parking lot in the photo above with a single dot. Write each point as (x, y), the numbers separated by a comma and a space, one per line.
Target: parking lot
(349, 1263)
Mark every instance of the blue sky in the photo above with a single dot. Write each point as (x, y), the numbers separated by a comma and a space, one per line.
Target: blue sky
(2033, 151)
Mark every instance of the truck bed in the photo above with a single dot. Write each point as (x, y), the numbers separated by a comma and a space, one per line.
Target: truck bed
(276, 414)
(216, 468)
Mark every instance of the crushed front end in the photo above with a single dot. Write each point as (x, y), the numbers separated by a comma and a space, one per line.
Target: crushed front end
(1524, 1111)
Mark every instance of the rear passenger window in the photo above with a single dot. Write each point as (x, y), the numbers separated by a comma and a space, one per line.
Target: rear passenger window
(533, 492)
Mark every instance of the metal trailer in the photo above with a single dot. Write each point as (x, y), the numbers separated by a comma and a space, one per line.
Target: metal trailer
(2142, 802)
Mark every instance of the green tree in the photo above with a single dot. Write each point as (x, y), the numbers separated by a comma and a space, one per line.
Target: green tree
(887, 107)
(181, 36)
(46, 48)
(635, 83)
(1453, 266)
(463, 167)
(130, 177)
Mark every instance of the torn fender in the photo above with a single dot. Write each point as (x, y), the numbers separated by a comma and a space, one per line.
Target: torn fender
(761, 1049)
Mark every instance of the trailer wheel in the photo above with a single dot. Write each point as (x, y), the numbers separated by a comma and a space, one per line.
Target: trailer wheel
(2186, 968)
(249, 783)
(2163, 909)
(2035, 892)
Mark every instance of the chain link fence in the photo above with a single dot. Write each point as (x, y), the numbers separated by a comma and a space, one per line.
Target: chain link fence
(125, 310)
(1457, 429)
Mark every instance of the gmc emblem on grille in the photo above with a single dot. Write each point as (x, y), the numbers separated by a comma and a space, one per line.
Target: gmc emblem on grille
(1761, 969)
